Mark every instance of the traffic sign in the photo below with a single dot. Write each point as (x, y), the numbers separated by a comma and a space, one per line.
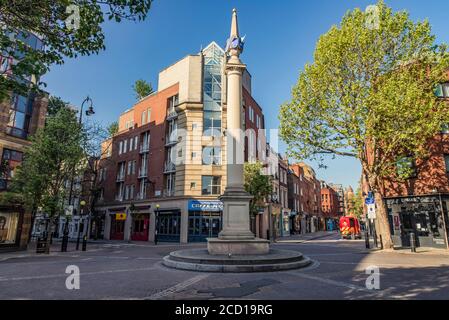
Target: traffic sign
(369, 201)
(371, 211)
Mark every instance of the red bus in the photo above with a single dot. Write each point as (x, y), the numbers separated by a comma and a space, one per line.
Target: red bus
(350, 228)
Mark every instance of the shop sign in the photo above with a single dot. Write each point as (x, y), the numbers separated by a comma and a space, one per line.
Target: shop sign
(198, 205)
(120, 216)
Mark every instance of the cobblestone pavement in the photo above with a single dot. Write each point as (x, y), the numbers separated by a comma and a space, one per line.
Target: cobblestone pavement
(120, 270)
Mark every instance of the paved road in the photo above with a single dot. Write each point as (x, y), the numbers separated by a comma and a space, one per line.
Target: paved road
(134, 271)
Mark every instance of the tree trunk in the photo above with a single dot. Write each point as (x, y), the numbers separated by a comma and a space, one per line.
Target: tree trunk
(382, 218)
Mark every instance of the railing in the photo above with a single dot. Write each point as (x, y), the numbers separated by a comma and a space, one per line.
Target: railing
(169, 193)
(143, 172)
(144, 147)
(172, 138)
(169, 167)
(171, 114)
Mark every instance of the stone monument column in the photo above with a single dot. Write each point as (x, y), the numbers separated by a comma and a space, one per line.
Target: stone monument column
(235, 237)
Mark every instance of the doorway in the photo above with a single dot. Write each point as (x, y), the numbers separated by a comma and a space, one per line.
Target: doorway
(140, 228)
(203, 225)
(117, 228)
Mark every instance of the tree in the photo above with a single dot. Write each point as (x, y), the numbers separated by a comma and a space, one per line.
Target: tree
(112, 128)
(63, 34)
(357, 203)
(258, 185)
(142, 89)
(369, 94)
(49, 162)
(54, 105)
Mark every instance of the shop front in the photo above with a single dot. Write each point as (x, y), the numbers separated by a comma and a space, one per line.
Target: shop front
(205, 219)
(13, 234)
(168, 225)
(118, 221)
(285, 223)
(424, 216)
(140, 226)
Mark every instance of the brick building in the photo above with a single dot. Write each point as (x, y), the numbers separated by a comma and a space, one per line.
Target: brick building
(20, 117)
(309, 217)
(329, 206)
(166, 166)
(420, 204)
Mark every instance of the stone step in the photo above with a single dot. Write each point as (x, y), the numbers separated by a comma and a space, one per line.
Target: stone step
(236, 268)
(200, 260)
(201, 256)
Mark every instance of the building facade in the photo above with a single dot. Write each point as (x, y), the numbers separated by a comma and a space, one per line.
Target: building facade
(21, 115)
(166, 167)
(329, 206)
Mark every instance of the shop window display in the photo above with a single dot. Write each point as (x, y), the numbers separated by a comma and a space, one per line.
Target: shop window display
(8, 227)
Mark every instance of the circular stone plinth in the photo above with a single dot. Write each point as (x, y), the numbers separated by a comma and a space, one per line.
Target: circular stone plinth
(201, 260)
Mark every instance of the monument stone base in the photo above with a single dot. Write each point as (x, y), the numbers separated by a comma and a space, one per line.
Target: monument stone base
(237, 247)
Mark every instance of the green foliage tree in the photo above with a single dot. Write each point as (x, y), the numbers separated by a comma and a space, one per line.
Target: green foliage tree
(54, 105)
(49, 162)
(258, 185)
(142, 89)
(112, 128)
(369, 94)
(54, 21)
(357, 203)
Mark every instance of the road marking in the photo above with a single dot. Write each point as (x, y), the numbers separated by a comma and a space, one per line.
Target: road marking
(331, 282)
(177, 288)
(380, 264)
(50, 276)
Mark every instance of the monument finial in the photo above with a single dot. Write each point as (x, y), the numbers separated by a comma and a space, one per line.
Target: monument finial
(234, 24)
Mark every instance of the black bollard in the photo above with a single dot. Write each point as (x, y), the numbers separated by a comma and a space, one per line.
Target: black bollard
(65, 241)
(367, 240)
(412, 242)
(78, 242)
(381, 242)
(84, 243)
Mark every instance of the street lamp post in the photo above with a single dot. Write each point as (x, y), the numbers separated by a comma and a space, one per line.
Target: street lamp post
(90, 111)
(82, 204)
(157, 224)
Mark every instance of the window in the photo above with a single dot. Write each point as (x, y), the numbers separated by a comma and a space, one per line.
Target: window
(211, 155)
(212, 123)
(136, 142)
(20, 115)
(446, 161)
(405, 167)
(124, 145)
(257, 121)
(130, 144)
(210, 185)
(442, 90)
(251, 114)
(149, 115)
(120, 147)
(143, 119)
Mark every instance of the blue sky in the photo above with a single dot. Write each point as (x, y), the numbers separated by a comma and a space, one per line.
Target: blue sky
(281, 37)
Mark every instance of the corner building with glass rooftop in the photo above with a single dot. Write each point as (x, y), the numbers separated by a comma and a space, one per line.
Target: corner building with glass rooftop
(166, 167)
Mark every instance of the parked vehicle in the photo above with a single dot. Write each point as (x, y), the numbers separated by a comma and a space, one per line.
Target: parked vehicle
(350, 228)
